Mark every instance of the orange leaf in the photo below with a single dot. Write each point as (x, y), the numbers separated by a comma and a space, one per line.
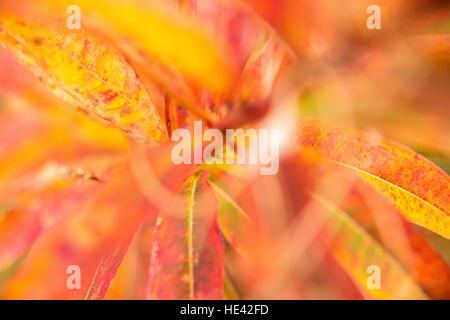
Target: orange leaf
(234, 222)
(82, 239)
(417, 256)
(419, 189)
(110, 263)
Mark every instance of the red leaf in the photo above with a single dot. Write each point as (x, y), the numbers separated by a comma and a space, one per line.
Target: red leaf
(187, 258)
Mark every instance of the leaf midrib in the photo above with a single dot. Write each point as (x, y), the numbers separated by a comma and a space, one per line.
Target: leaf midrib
(389, 183)
(190, 240)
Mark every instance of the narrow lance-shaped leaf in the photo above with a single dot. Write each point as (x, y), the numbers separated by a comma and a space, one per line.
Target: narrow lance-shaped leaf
(86, 73)
(82, 239)
(419, 189)
(235, 224)
(111, 261)
(356, 250)
(374, 214)
(53, 195)
(187, 257)
(45, 174)
(379, 217)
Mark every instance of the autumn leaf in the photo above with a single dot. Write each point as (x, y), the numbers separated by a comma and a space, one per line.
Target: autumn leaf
(378, 217)
(233, 221)
(349, 214)
(87, 73)
(188, 250)
(83, 239)
(58, 198)
(109, 265)
(38, 193)
(155, 31)
(418, 188)
(356, 250)
(374, 214)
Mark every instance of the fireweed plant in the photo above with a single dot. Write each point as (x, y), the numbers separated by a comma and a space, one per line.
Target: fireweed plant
(95, 94)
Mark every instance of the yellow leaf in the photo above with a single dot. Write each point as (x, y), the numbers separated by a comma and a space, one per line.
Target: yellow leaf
(356, 251)
(86, 73)
(419, 189)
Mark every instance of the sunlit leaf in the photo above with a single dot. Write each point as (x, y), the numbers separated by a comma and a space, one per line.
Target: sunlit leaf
(188, 249)
(418, 188)
(155, 31)
(110, 263)
(86, 73)
(356, 250)
(424, 264)
(234, 223)
(83, 239)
